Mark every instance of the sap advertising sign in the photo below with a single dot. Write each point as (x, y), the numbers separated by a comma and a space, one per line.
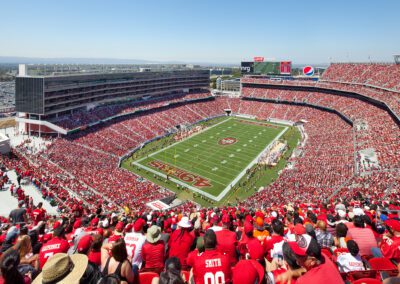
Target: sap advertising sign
(247, 67)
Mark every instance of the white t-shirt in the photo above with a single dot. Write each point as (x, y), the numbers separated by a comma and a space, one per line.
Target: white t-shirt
(350, 263)
(134, 243)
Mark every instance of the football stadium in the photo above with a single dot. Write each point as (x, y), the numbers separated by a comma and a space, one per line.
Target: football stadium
(262, 170)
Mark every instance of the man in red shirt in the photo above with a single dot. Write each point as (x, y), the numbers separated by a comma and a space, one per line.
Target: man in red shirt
(118, 233)
(38, 214)
(211, 266)
(319, 269)
(181, 241)
(390, 245)
(271, 243)
(56, 245)
(250, 247)
(226, 240)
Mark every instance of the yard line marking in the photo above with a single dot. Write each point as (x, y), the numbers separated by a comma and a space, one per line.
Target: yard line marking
(203, 141)
(187, 150)
(223, 162)
(214, 169)
(238, 150)
(231, 155)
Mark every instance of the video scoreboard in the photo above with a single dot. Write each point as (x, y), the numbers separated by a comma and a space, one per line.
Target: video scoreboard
(266, 68)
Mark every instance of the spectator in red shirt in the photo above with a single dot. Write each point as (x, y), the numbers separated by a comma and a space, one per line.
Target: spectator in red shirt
(181, 241)
(278, 231)
(248, 271)
(38, 214)
(153, 251)
(118, 233)
(211, 266)
(319, 268)
(390, 245)
(364, 237)
(226, 240)
(57, 244)
(249, 246)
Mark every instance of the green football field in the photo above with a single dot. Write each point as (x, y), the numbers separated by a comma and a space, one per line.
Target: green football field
(212, 161)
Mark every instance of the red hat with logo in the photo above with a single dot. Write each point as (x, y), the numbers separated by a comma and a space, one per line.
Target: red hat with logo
(84, 243)
(301, 244)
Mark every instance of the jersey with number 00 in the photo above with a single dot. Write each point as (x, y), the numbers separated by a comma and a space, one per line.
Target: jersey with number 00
(212, 267)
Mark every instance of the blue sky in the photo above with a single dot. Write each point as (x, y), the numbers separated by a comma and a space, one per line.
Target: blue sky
(203, 30)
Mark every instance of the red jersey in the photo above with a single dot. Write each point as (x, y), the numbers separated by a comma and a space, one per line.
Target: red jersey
(390, 247)
(212, 267)
(55, 245)
(154, 254)
(253, 247)
(226, 243)
(269, 245)
(38, 215)
(179, 245)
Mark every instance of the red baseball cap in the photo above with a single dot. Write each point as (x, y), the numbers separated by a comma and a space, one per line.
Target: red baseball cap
(226, 219)
(393, 224)
(299, 229)
(128, 228)
(247, 271)
(119, 227)
(95, 221)
(301, 244)
(77, 224)
(248, 227)
(84, 243)
(56, 225)
(138, 226)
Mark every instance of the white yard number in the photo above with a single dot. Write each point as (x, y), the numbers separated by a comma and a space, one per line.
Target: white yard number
(217, 278)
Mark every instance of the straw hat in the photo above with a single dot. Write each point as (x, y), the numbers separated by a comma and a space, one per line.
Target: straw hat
(63, 269)
(153, 234)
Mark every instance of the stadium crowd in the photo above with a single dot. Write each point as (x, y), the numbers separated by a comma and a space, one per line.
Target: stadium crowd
(330, 216)
(351, 238)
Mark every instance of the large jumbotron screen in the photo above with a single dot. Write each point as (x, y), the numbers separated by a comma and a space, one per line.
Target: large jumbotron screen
(267, 68)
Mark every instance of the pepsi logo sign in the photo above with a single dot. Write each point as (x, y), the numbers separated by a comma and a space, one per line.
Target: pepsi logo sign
(308, 70)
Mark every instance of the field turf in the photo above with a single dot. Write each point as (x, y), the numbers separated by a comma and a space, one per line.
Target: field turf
(212, 161)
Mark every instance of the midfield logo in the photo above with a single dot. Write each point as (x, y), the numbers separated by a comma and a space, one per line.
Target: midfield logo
(227, 141)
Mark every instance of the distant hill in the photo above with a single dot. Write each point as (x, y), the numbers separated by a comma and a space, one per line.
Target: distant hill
(68, 60)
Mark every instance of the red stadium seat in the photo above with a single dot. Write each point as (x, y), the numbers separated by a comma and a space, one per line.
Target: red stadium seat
(367, 281)
(147, 277)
